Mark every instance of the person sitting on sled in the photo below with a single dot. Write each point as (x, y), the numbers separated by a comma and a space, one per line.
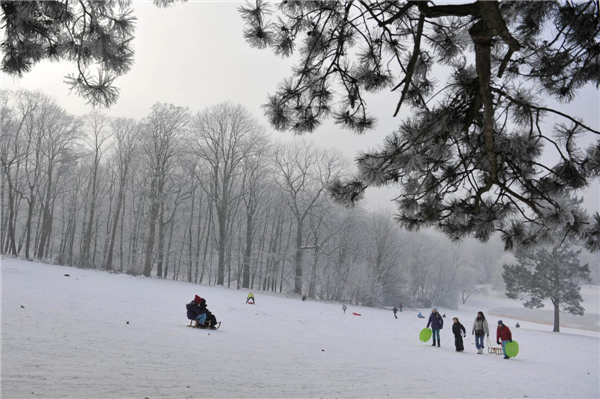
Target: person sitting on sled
(194, 312)
(420, 316)
(250, 296)
(211, 320)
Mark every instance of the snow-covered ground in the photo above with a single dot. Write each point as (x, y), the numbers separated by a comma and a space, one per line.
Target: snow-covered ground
(69, 337)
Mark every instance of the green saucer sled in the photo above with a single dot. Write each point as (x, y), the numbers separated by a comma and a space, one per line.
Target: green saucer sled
(425, 335)
(512, 349)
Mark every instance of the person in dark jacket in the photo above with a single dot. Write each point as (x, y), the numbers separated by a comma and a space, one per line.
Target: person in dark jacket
(503, 334)
(211, 320)
(395, 310)
(194, 312)
(437, 323)
(458, 337)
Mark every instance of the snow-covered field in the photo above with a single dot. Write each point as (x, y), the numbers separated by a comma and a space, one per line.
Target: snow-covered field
(69, 337)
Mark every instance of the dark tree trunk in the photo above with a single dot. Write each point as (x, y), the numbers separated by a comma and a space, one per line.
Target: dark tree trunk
(247, 252)
(113, 233)
(298, 275)
(46, 217)
(222, 243)
(154, 208)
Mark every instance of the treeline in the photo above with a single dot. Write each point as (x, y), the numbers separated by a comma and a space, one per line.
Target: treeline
(210, 198)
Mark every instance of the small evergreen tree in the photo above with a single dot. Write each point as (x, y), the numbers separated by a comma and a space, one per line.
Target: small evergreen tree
(553, 274)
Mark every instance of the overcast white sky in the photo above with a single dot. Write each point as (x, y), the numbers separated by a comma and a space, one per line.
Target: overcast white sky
(194, 55)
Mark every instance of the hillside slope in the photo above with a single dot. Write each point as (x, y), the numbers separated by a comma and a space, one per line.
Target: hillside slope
(69, 337)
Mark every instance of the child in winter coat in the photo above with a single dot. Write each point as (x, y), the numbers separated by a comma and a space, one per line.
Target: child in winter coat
(194, 312)
(458, 337)
(395, 310)
(211, 320)
(503, 334)
(250, 298)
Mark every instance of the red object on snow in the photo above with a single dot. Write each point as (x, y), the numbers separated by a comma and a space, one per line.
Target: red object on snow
(356, 314)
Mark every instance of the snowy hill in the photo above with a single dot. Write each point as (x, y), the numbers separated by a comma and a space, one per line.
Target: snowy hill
(69, 337)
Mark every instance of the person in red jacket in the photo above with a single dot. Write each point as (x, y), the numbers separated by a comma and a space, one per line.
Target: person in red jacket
(503, 334)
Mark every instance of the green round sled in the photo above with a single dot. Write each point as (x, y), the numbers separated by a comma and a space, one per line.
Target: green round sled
(512, 349)
(425, 334)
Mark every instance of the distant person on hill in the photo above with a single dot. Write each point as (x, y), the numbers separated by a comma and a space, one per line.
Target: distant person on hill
(480, 329)
(420, 316)
(458, 337)
(437, 323)
(194, 312)
(344, 308)
(395, 310)
(503, 335)
(250, 297)
(400, 306)
(517, 325)
(304, 297)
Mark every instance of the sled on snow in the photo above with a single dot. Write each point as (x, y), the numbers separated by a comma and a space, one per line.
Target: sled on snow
(194, 324)
(492, 350)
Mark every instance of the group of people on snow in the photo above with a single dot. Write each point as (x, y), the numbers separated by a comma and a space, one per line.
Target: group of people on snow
(197, 310)
(480, 330)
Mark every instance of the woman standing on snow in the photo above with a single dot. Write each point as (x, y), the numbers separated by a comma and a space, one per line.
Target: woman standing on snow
(480, 329)
(437, 323)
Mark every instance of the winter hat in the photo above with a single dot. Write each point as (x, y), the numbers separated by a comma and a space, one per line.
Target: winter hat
(435, 308)
(500, 322)
(197, 299)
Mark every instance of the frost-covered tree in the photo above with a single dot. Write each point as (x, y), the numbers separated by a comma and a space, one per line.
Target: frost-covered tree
(468, 158)
(87, 33)
(545, 273)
